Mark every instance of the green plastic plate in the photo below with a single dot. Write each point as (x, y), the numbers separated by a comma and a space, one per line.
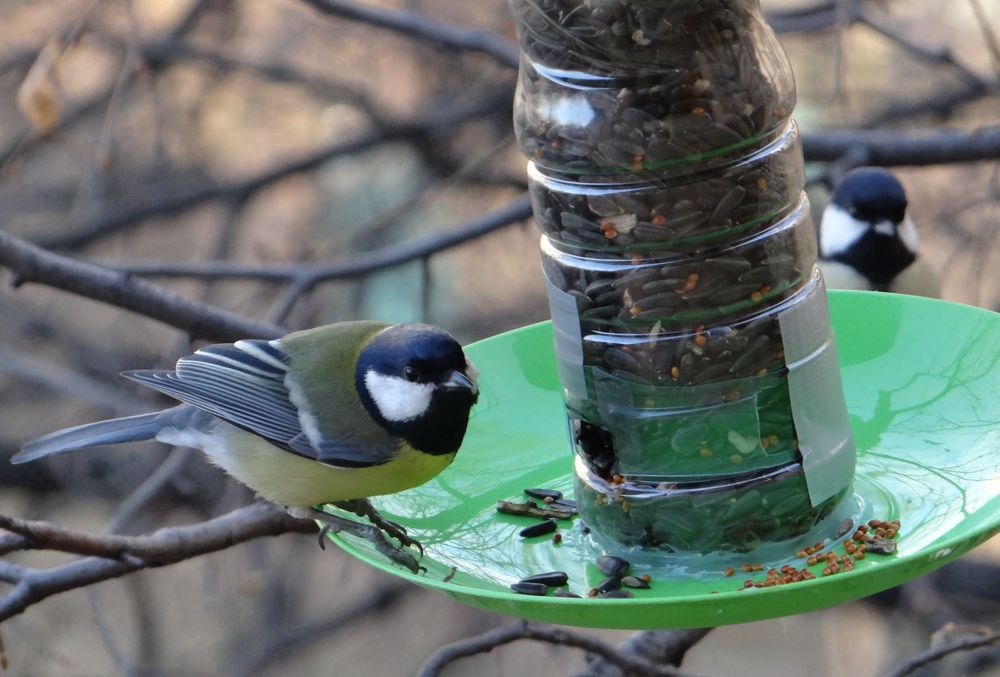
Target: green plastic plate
(922, 379)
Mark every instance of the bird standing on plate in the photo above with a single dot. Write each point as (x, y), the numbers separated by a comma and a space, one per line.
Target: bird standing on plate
(868, 242)
(333, 414)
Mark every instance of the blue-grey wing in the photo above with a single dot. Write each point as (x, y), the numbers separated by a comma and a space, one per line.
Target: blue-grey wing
(245, 383)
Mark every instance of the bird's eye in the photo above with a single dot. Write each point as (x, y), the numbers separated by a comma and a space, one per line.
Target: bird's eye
(411, 374)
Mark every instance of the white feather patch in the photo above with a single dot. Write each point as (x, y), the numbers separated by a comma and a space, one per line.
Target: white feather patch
(261, 355)
(838, 231)
(397, 399)
(908, 234)
(473, 374)
(310, 426)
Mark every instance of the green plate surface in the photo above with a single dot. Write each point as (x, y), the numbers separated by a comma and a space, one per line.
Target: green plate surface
(922, 379)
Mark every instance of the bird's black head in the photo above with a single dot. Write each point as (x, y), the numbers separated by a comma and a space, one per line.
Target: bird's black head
(872, 195)
(415, 381)
(865, 225)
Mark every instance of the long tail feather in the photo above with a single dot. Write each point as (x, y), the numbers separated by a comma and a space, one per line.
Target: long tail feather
(114, 431)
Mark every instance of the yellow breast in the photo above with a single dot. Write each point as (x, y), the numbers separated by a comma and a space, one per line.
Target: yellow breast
(290, 480)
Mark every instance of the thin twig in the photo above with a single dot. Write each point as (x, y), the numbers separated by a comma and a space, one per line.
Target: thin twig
(357, 265)
(110, 556)
(416, 26)
(937, 653)
(29, 263)
(820, 16)
(920, 50)
(665, 647)
(493, 639)
(149, 489)
(31, 369)
(129, 213)
(285, 641)
(989, 37)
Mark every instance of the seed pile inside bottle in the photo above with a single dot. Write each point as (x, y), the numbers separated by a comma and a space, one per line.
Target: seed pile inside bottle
(640, 86)
(666, 176)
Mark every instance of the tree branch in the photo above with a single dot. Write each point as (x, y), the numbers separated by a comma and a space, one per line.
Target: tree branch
(892, 149)
(29, 263)
(820, 16)
(936, 653)
(164, 52)
(134, 211)
(885, 148)
(111, 556)
(357, 265)
(920, 50)
(493, 639)
(416, 26)
(287, 640)
(663, 647)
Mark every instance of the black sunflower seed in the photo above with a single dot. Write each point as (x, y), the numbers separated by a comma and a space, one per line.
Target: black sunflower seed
(613, 566)
(536, 589)
(541, 494)
(551, 578)
(540, 529)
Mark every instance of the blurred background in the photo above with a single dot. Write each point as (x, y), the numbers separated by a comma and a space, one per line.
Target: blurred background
(268, 132)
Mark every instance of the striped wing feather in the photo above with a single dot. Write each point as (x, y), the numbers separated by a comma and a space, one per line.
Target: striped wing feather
(244, 383)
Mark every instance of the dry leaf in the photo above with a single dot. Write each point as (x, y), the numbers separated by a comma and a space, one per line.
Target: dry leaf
(38, 97)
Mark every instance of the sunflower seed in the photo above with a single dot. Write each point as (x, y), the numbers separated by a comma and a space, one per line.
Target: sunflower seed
(542, 494)
(528, 588)
(613, 566)
(540, 529)
(552, 578)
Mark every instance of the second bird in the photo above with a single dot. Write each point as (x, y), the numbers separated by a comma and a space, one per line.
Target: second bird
(867, 239)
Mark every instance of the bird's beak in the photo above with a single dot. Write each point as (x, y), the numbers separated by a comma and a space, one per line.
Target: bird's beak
(458, 381)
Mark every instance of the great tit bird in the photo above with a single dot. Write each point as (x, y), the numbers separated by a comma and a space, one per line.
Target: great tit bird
(867, 241)
(332, 414)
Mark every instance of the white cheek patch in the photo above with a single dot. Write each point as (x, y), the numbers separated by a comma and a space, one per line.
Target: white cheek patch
(838, 231)
(473, 374)
(397, 399)
(908, 234)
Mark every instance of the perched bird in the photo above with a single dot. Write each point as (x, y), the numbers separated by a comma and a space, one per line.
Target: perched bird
(332, 414)
(868, 242)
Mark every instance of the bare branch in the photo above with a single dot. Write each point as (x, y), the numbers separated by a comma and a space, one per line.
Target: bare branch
(29, 263)
(28, 139)
(493, 639)
(820, 16)
(917, 48)
(419, 27)
(357, 265)
(51, 376)
(111, 556)
(893, 149)
(288, 640)
(936, 653)
(989, 37)
(941, 102)
(161, 53)
(150, 488)
(134, 211)
(663, 647)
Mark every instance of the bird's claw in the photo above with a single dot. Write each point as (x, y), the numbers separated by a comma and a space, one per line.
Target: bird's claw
(374, 533)
(363, 508)
(323, 531)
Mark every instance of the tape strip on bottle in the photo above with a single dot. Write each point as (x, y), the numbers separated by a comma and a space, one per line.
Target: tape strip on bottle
(816, 393)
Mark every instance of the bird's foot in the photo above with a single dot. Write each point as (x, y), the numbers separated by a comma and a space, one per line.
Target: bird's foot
(363, 508)
(370, 533)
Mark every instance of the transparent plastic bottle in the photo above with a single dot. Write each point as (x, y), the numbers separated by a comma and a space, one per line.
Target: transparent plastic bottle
(692, 336)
